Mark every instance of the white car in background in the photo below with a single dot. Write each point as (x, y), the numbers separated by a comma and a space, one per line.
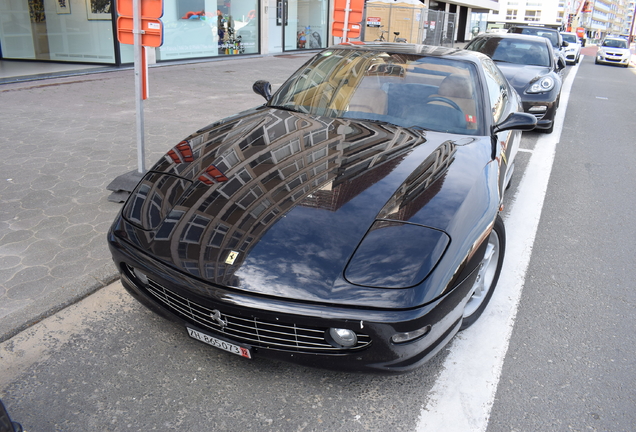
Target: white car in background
(573, 50)
(614, 50)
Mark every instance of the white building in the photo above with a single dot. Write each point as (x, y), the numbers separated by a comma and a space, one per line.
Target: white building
(550, 13)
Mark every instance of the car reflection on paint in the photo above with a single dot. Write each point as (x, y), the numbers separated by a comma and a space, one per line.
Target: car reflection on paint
(352, 222)
(529, 65)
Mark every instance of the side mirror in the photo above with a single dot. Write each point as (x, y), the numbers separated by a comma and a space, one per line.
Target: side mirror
(516, 121)
(263, 88)
(565, 44)
(560, 64)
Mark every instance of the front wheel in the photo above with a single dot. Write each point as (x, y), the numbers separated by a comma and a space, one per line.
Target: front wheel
(487, 275)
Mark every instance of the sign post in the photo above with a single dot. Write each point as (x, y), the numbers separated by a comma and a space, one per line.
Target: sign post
(139, 25)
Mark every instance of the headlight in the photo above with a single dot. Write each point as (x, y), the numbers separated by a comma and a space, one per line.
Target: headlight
(343, 337)
(541, 85)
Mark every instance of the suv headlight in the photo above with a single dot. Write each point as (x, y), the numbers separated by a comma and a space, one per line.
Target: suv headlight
(543, 84)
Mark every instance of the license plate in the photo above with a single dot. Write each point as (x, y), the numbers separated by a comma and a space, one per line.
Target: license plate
(219, 343)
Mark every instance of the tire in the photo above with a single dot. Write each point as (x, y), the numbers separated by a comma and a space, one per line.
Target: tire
(595, 61)
(488, 274)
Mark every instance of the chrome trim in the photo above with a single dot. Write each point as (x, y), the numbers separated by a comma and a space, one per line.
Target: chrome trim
(251, 331)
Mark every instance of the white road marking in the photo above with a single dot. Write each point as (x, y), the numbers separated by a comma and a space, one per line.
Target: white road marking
(464, 393)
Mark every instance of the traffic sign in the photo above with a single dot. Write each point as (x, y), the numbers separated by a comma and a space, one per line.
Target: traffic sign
(152, 29)
(149, 8)
(353, 30)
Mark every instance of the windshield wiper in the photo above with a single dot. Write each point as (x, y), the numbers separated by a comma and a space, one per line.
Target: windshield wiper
(285, 108)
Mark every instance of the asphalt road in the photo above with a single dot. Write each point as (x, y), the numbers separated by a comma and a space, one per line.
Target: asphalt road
(107, 364)
(571, 361)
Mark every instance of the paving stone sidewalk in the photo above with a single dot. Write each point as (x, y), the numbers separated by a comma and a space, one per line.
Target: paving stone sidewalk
(63, 140)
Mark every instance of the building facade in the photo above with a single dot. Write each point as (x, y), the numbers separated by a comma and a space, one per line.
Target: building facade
(85, 31)
(597, 18)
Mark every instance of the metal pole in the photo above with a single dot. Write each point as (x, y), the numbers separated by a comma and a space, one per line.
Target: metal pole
(345, 30)
(141, 163)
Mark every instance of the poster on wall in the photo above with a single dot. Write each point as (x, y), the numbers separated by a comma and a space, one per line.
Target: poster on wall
(98, 9)
(36, 11)
(63, 7)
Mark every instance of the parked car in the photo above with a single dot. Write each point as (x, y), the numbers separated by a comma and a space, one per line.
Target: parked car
(529, 65)
(573, 50)
(553, 35)
(615, 51)
(351, 222)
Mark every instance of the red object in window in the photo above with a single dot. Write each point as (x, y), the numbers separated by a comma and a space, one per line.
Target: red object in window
(211, 175)
(181, 153)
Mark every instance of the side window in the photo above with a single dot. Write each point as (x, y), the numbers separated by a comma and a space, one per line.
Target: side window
(497, 89)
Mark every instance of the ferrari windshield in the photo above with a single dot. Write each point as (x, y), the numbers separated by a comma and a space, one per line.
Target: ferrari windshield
(409, 90)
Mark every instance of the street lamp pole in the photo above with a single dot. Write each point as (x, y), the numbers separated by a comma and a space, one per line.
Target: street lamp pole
(631, 29)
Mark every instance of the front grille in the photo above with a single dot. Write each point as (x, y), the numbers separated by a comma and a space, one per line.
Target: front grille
(251, 331)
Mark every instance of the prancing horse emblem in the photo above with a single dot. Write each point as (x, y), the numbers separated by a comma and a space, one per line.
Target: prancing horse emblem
(216, 316)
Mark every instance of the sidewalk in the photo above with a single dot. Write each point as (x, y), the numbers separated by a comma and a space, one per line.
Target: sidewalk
(65, 139)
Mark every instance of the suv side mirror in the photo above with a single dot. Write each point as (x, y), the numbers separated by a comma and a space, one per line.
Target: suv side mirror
(564, 44)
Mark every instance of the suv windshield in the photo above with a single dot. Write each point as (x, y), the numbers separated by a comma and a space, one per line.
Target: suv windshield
(513, 50)
(551, 35)
(615, 43)
(570, 38)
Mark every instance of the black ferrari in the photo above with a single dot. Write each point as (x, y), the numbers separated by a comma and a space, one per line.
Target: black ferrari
(351, 222)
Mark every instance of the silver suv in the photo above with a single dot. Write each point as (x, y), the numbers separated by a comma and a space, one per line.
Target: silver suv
(614, 51)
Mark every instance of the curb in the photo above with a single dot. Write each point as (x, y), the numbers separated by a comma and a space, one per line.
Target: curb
(59, 299)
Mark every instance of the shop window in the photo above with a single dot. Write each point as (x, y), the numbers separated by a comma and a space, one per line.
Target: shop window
(200, 28)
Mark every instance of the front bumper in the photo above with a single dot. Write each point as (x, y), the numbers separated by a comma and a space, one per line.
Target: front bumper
(609, 58)
(570, 57)
(376, 327)
(544, 111)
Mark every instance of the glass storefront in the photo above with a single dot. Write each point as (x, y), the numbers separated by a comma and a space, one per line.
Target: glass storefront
(208, 28)
(61, 30)
(82, 30)
(306, 24)
(303, 23)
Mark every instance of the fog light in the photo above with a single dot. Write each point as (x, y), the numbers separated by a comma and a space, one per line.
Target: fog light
(538, 109)
(140, 276)
(343, 337)
(409, 336)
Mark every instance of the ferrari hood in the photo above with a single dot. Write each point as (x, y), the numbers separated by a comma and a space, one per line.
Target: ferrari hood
(284, 204)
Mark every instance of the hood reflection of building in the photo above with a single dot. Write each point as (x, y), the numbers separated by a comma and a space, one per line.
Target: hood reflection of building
(273, 161)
